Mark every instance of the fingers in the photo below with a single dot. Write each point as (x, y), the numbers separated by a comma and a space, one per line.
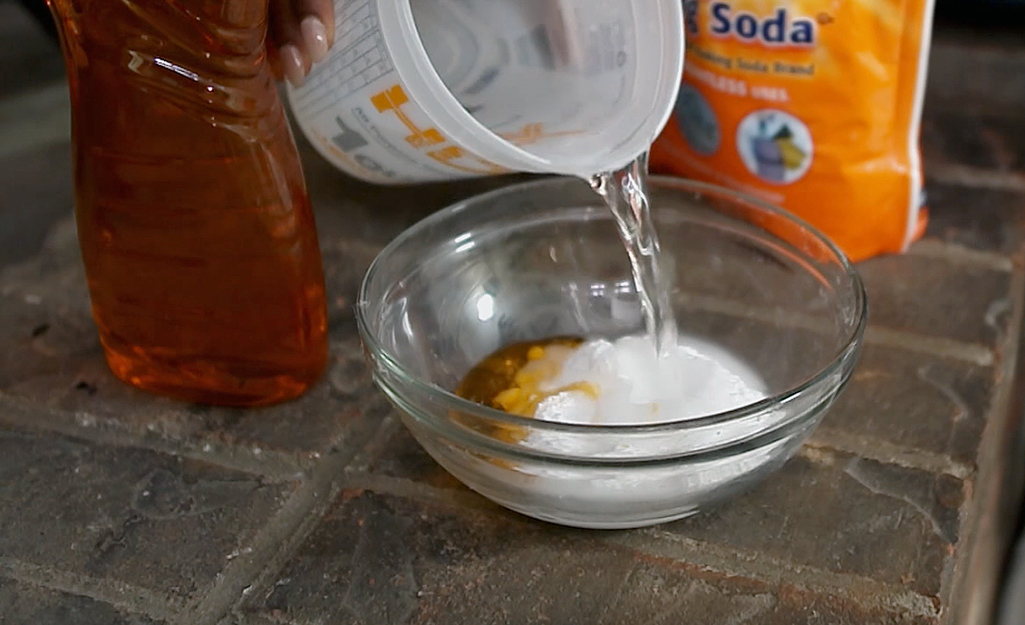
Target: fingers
(314, 38)
(322, 12)
(294, 64)
(284, 36)
(301, 32)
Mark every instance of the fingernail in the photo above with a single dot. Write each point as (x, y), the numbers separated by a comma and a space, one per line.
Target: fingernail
(315, 38)
(292, 65)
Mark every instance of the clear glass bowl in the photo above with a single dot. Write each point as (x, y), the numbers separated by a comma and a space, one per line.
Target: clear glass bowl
(541, 259)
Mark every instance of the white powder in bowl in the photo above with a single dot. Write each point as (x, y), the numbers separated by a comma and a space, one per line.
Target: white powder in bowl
(636, 387)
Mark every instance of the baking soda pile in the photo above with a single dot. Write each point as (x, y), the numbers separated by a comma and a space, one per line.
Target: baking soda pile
(623, 382)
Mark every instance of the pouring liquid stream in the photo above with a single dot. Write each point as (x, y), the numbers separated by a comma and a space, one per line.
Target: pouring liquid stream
(625, 193)
(650, 377)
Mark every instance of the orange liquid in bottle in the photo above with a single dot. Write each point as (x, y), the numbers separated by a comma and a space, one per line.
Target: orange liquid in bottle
(194, 223)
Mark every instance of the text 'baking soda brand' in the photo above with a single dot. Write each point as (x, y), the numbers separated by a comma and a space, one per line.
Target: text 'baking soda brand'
(812, 105)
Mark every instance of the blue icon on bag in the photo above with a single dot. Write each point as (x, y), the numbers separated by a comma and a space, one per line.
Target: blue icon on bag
(697, 120)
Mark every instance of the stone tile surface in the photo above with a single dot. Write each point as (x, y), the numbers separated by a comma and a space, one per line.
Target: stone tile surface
(159, 522)
(993, 142)
(979, 219)
(402, 457)
(845, 515)
(379, 559)
(35, 192)
(917, 401)
(23, 604)
(977, 74)
(30, 58)
(937, 298)
(836, 513)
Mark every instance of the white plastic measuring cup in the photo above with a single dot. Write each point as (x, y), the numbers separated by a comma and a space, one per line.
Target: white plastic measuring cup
(419, 90)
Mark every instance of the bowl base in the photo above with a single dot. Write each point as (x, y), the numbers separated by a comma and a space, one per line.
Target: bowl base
(596, 524)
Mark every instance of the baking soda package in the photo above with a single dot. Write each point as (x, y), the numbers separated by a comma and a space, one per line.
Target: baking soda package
(811, 105)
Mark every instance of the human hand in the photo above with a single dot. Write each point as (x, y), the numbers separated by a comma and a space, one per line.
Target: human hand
(299, 34)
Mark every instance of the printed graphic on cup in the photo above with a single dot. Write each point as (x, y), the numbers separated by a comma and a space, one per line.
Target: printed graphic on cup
(775, 146)
(419, 90)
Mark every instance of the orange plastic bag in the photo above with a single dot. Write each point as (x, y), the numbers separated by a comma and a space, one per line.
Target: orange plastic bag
(812, 105)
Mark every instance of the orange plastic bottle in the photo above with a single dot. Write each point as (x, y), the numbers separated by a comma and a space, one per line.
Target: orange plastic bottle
(193, 219)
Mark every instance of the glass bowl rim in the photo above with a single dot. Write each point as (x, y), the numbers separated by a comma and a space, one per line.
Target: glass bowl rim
(453, 403)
